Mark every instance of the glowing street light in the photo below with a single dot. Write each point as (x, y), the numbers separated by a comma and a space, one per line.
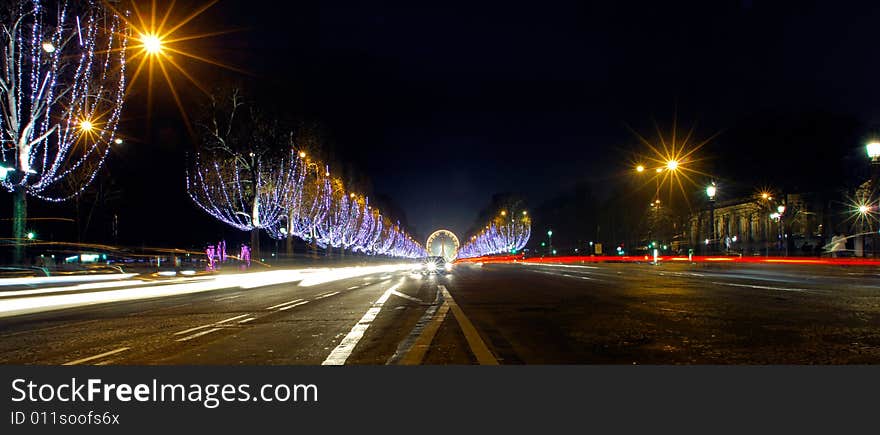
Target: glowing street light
(672, 165)
(525, 213)
(503, 212)
(640, 168)
(302, 154)
(4, 171)
(711, 190)
(781, 209)
(864, 209)
(31, 235)
(152, 43)
(118, 141)
(86, 125)
(873, 150)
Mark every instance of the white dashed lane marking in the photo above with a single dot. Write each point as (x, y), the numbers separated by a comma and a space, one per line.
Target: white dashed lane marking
(98, 356)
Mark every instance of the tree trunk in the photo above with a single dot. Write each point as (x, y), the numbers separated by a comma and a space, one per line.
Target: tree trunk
(255, 244)
(76, 218)
(289, 246)
(19, 224)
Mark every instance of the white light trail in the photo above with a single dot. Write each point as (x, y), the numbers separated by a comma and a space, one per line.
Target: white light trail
(5, 282)
(307, 277)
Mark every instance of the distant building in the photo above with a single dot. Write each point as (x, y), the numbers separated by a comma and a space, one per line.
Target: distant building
(754, 226)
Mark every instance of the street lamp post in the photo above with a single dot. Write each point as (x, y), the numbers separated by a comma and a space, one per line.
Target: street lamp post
(550, 239)
(873, 150)
(711, 190)
(782, 236)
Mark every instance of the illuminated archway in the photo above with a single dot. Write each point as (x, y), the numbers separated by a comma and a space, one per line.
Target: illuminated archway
(441, 250)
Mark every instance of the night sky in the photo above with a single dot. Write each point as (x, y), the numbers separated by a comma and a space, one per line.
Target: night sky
(443, 104)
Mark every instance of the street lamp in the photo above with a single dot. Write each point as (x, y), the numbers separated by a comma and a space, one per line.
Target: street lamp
(873, 150)
(672, 165)
(4, 171)
(711, 191)
(780, 213)
(152, 43)
(640, 168)
(86, 125)
(550, 238)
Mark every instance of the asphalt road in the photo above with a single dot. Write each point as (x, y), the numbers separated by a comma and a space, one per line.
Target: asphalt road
(479, 314)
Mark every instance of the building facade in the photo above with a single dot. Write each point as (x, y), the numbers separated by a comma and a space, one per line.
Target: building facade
(797, 224)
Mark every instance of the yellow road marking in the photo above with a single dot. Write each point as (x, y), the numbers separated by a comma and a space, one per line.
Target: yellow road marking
(418, 350)
(478, 347)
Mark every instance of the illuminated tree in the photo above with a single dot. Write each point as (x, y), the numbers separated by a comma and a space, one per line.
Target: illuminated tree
(254, 175)
(62, 82)
(507, 232)
(238, 176)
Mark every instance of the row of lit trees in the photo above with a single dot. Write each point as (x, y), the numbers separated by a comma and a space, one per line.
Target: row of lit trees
(252, 174)
(507, 232)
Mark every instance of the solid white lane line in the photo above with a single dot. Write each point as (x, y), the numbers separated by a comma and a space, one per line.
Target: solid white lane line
(210, 324)
(352, 288)
(570, 276)
(293, 306)
(240, 322)
(406, 296)
(232, 318)
(327, 295)
(764, 287)
(560, 265)
(193, 329)
(283, 304)
(198, 334)
(98, 356)
(341, 353)
(227, 298)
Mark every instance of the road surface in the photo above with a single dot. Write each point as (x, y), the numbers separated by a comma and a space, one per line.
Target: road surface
(479, 314)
